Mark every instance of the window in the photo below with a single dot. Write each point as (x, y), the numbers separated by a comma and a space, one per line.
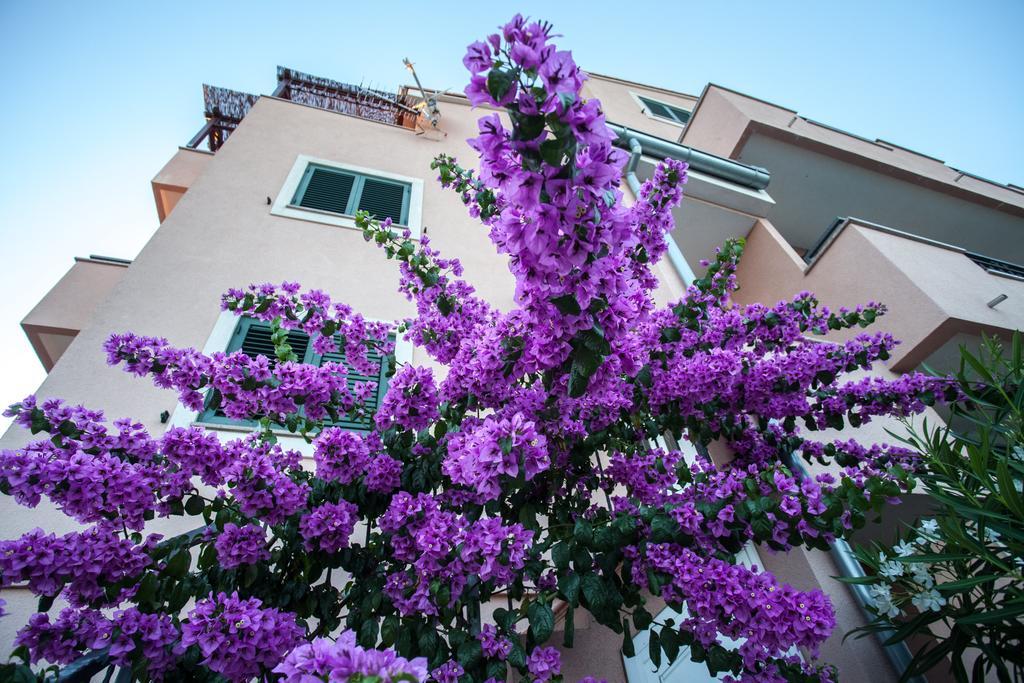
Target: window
(661, 110)
(253, 338)
(330, 192)
(331, 189)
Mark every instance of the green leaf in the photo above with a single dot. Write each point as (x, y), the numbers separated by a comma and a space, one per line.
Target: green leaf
(45, 603)
(469, 653)
(542, 620)
(583, 532)
(663, 529)
(719, 659)
(428, 640)
(560, 555)
(642, 619)
(628, 649)
(566, 304)
(577, 381)
(147, 590)
(963, 584)
(552, 151)
(670, 642)
(177, 566)
(670, 334)
(499, 82)
(569, 587)
(195, 505)
(368, 633)
(654, 649)
(517, 655)
(1004, 614)
(594, 592)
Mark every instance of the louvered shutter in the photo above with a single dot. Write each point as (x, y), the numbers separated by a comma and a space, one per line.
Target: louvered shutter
(253, 338)
(365, 423)
(385, 199)
(326, 189)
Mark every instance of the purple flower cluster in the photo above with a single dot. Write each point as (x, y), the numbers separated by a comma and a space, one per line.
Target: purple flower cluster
(237, 545)
(438, 544)
(79, 563)
(239, 638)
(411, 401)
(741, 603)
(544, 663)
(495, 448)
(321, 660)
(250, 388)
(449, 672)
(259, 481)
(65, 639)
(153, 637)
(340, 455)
(493, 644)
(329, 527)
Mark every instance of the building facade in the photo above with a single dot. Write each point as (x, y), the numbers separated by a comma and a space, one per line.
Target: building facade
(265, 193)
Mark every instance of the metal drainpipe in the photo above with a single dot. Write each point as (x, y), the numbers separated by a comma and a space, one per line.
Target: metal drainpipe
(736, 172)
(842, 554)
(675, 255)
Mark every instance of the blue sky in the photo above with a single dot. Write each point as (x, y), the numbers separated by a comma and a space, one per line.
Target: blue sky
(98, 95)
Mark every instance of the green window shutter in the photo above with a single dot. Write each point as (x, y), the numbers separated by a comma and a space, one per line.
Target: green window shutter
(380, 361)
(665, 111)
(326, 189)
(345, 192)
(253, 338)
(385, 199)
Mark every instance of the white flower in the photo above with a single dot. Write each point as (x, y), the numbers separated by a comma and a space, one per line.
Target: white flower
(891, 569)
(922, 577)
(992, 536)
(882, 597)
(904, 549)
(1018, 452)
(882, 557)
(928, 600)
(929, 529)
(881, 590)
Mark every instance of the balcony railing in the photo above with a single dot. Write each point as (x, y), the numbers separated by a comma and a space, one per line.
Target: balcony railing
(991, 265)
(996, 266)
(224, 108)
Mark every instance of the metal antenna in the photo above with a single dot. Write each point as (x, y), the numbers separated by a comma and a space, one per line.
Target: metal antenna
(429, 105)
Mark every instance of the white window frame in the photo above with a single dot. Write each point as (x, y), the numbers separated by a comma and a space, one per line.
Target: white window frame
(640, 103)
(218, 341)
(283, 206)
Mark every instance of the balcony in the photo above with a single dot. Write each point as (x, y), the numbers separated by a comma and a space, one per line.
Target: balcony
(939, 296)
(225, 108)
(68, 307)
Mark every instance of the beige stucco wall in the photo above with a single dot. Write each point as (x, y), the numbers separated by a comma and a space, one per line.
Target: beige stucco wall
(622, 108)
(931, 291)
